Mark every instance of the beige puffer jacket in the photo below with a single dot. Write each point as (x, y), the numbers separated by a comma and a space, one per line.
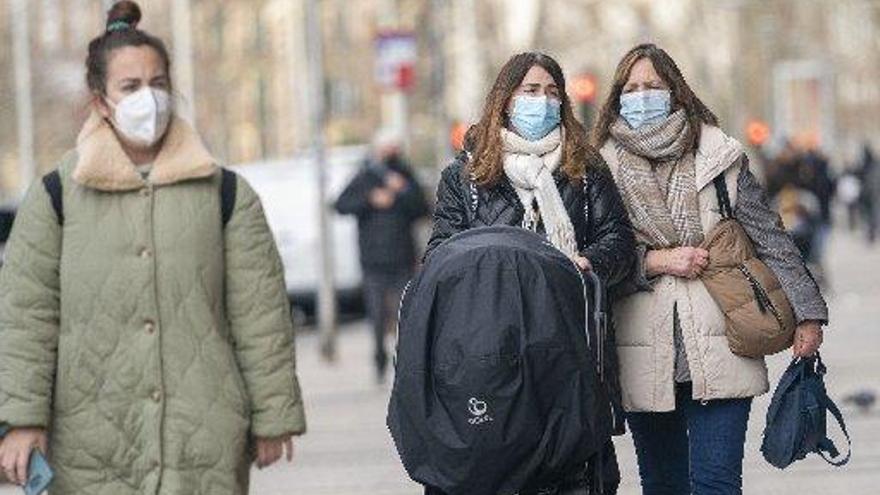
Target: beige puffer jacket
(643, 320)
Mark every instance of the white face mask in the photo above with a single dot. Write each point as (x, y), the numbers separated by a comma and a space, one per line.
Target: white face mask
(143, 116)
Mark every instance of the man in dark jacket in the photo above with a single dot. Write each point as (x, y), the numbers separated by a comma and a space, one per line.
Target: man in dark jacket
(387, 201)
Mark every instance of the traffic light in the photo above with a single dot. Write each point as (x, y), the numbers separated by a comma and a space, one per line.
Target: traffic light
(456, 135)
(757, 132)
(584, 89)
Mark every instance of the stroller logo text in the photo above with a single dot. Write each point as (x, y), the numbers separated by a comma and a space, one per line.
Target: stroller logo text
(478, 410)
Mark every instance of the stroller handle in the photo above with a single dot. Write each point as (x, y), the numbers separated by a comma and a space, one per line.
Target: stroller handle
(598, 317)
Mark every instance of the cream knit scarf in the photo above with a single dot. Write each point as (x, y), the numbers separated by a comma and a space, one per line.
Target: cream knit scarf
(529, 166)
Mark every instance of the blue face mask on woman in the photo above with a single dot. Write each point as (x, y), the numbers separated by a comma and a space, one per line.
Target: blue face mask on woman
(533, 117)
(645, 107)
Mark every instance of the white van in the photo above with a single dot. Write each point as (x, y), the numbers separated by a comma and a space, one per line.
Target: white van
(289, 193)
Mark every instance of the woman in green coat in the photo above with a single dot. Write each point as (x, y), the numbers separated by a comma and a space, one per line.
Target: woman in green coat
(145, 342)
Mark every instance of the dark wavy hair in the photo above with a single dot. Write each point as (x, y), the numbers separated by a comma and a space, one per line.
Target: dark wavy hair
(682, 94)
(483, 140)
(120, 31)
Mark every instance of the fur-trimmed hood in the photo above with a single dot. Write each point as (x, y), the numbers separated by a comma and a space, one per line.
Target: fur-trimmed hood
(102, 164)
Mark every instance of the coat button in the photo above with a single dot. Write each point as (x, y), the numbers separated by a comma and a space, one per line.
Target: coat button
(156, 395)
(145, 253)
(145, 192)
(150, 327)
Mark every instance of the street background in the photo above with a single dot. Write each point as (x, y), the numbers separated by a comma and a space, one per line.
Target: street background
(243, 71)
(291, 93)
(348, 450)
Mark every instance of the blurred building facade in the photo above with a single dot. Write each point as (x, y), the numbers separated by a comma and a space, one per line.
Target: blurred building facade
(806, 67)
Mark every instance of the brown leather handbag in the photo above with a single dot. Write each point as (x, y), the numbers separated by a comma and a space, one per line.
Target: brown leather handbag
(760, 320)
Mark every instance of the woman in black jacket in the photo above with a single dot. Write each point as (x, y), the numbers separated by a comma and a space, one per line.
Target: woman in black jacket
(527, 163)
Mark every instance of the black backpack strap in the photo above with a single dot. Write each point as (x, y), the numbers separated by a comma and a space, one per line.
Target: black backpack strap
(723, 196)
(52, 184)
(228, 187)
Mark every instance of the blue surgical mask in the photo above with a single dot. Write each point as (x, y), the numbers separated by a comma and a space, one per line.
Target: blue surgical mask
(645, 107)
(533, 117)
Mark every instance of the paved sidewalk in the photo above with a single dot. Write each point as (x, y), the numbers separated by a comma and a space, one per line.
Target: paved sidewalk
(348, 450)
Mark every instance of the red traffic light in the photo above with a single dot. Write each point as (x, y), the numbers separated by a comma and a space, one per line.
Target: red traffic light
(584, 88)
(456, 135)
(757, 132)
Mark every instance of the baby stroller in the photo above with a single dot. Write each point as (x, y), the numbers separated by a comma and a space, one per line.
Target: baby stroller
(498, 387)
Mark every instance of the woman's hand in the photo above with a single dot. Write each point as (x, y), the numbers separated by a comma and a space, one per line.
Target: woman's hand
(15, 452)
(583, 263)
(269, 450)
(684, 262)
(807, 339)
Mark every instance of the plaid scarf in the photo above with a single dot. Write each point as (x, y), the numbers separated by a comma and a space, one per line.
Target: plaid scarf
(658, 181)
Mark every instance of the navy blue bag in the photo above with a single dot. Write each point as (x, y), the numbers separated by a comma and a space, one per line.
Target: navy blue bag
(796, 419)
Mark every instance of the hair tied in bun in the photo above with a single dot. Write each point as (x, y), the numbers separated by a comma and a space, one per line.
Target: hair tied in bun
(118, 26)
(121, 31)
(123, 15)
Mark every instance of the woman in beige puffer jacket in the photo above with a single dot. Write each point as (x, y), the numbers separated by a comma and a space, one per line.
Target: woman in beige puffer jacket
(687, 395)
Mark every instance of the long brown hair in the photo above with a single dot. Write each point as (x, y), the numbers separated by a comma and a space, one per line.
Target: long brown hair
(682, 95)
(484, 138)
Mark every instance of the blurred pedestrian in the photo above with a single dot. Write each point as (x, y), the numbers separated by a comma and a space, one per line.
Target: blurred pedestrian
(801, 216)
(802, 190)
(869, 174)
(687, 395)
(784, 169)
(527, 163)
(816, 177)
(387, 200)
(146, 344)
(849, 192)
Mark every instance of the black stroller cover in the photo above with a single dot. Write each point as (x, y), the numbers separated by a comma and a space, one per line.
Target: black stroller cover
(496, 388)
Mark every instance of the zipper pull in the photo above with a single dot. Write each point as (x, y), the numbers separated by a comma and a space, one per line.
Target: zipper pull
(600, 332)
(759, 298)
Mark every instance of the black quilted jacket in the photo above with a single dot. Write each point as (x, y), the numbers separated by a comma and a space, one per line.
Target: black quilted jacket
(600, 220)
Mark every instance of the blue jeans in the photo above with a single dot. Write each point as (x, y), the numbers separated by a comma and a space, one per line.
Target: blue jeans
(696, 449)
